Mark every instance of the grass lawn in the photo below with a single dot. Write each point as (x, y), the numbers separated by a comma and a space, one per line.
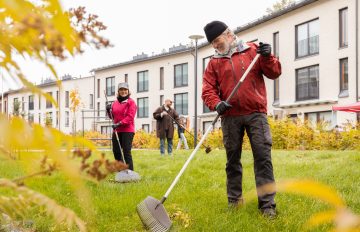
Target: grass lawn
(199, 199)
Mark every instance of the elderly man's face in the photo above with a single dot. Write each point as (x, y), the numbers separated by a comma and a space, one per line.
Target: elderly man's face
(168, 103)
(222, 43)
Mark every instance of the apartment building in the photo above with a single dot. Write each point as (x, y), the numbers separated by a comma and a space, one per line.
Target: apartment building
(36, 108)
(315, 40)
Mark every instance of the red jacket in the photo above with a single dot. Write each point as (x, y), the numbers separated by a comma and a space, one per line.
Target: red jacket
(124, 112)
(219, 80)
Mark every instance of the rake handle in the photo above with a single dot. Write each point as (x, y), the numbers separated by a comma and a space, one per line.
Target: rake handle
(208, 130)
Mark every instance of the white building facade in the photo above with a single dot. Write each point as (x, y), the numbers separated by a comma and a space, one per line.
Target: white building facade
(315, 40)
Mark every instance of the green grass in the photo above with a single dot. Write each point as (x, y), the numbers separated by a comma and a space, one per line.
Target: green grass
(201, 192)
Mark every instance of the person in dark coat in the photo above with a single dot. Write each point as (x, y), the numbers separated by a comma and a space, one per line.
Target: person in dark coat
(246, 111)
(165, 116)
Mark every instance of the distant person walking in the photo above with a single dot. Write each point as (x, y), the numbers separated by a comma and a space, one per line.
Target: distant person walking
(123, 111)
(181, 131)
(164, 116)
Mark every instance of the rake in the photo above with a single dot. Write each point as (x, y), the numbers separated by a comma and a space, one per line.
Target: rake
(152, 211)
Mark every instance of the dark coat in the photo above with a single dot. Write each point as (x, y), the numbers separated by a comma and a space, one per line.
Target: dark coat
(166, 122)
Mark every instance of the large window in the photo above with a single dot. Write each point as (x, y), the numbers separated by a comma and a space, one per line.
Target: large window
(143, 107)
(181, 103)
(343, 27)
(30, 117)
(67, 99)
(31, 102)
(307, 39)
(307, 83)
(110, 86)
(161, 78)
(98, 109)
(48, 102)
(206, 109)
(344, 81)
(126, 78)
(276, 54)
(181, 75)
(106, 130)
(143, 81)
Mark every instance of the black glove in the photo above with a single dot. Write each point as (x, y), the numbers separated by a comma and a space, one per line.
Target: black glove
(222, 107)
(108, 110)
(114, 126)
(264, 49)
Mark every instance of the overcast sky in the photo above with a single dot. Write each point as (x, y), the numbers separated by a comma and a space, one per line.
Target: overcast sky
(147, 26)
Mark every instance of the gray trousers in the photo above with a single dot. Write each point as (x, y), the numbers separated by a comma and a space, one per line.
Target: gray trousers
(258, 131)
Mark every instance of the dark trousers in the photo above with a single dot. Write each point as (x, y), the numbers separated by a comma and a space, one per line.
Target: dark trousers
(258, 131)
(125, 139)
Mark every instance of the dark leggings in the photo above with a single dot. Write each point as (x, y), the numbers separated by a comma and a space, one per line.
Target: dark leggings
(125, 139)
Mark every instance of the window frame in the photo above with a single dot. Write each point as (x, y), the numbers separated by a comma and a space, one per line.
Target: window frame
(343, 40)
(145, 85)
(184, 81)
(177, 101)
(308, 76)
(142, 108)
(110, 90)
(308, 39)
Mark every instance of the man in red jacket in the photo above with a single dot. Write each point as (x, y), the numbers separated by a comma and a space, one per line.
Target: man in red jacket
(246, 111)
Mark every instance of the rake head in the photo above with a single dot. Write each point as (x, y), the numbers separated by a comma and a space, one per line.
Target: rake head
(126, 176)
(153, 215)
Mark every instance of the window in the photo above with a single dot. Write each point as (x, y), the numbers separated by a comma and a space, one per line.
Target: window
(57, 97)
(22, 104)
(110, 86)
(30, 118)
(67, 99)
(39, 101)
(39, 117)
(67, 118)
(48, 102)
(181, 103)
(206, 109)
(106, 130)
(307, 39)
(145, 127)
(307, 83)
(343, 27)
(48, 119)
(344, 81)
(276, 54)
(161, 100)
(161, 78)
(320, 117)
(143, 107)
(181, 75)
(57, 118)
(126, 78)
(206, 126)
(143, 81)
(98, 109)
(91, 100)
(31, 103)
(206, 61)
(98, 88)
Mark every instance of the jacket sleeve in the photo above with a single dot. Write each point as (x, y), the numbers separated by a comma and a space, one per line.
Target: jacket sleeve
(157, 113)
(130, 114)
(210, 90)
(270, 66)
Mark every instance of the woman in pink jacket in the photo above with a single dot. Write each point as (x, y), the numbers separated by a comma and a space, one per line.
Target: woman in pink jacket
(123, 111)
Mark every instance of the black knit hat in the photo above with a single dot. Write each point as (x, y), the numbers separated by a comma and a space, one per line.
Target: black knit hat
(214, 29)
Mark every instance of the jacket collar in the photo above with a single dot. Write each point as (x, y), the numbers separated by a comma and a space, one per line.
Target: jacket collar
(237, 48)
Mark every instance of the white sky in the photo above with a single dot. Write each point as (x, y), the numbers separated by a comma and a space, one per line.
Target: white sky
(148, 26)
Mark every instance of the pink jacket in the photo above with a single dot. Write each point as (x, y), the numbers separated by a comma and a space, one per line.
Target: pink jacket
(124, 112)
